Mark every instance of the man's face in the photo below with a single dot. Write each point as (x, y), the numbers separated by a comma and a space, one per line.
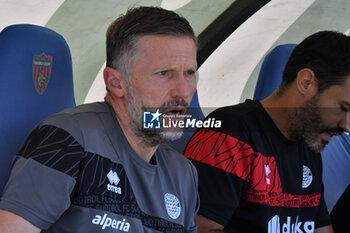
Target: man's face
(162, 77)
(323, 116)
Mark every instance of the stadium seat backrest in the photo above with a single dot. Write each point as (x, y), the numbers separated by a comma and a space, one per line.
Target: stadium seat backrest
(270, 75)
(36, 81)
(336, 169)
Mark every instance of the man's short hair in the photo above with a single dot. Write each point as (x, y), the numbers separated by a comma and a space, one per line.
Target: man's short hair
(327, 53)
(124, 33)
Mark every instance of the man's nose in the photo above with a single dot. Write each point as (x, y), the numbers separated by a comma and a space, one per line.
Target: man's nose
(184, 87)
(345, 123)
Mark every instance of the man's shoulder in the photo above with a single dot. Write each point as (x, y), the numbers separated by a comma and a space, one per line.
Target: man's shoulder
(238, 118)
(80, 120)
(79, 111)
(241, 110)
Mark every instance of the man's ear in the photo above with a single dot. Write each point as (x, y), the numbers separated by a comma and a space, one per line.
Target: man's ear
(114, 81)
(306, 82)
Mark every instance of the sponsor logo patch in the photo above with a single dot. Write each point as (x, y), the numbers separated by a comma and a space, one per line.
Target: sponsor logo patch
(107, 222)
(114, 181)
(274, 226)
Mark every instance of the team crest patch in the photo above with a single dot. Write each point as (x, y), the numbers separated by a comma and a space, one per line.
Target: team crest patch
(172, 205)
(41, 72)
(307, 176)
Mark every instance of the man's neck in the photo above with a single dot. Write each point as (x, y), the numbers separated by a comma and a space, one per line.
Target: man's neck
(136, 142)
(280, 108)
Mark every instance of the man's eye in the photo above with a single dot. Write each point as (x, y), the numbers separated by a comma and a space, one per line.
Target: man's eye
(163, 73)
(344, 109)
(190, 73)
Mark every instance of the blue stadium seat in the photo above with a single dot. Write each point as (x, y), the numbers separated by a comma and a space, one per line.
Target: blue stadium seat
(270, 75)
(336, 168)
(36, 81)
(336, 155)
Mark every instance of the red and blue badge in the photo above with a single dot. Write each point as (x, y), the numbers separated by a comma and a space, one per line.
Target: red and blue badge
(41, 72)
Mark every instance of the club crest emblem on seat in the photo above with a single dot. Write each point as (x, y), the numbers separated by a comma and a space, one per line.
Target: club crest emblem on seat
(41, 72)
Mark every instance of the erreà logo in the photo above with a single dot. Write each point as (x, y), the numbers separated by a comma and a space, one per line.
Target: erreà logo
(274, 226)
(113, 179)
(105, 221)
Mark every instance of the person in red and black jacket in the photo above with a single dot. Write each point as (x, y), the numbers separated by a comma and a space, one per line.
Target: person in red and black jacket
(261, 171)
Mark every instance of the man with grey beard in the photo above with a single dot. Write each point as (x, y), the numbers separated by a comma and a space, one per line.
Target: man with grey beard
(95, 168)
(262, 170)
